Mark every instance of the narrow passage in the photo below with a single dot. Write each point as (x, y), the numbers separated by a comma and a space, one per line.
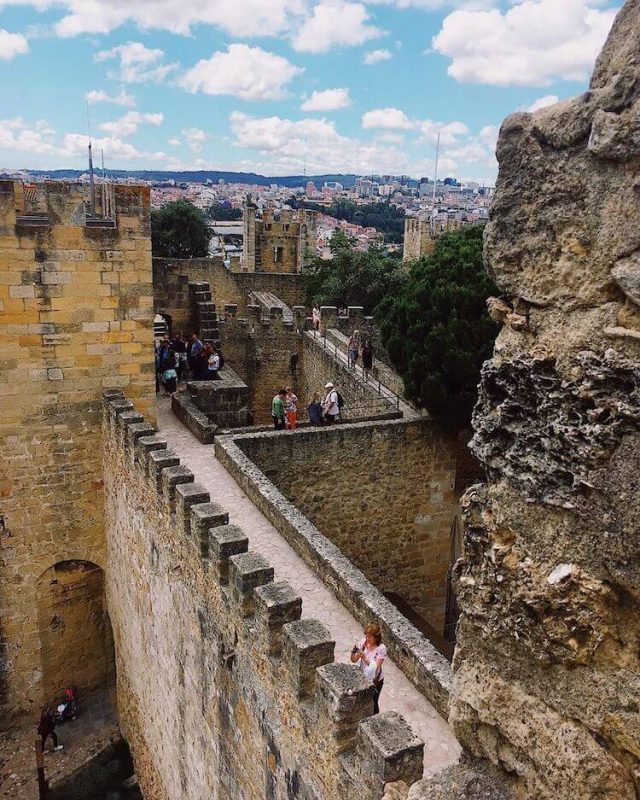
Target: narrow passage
(441, 746)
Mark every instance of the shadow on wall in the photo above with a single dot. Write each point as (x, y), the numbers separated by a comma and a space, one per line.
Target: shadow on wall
(75, 633)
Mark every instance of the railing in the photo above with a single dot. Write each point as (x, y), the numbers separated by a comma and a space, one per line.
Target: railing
(357, 370)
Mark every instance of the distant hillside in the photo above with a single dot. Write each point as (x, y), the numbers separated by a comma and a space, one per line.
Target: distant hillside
(201, 176)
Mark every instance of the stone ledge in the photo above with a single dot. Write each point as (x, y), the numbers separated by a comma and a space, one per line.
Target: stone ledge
(412, 652)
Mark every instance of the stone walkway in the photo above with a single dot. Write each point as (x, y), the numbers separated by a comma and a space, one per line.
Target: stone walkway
(441, 746)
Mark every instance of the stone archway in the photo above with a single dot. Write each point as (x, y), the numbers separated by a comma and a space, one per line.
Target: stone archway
(75, 632)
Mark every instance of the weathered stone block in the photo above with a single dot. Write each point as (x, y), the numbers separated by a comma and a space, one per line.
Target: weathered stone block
(187, 495)
(307, 645)
(226, 541)
(387, 750)
(246, 572)
(172, 477)
(133, 432)
(347, 698)
(147, 444)
(203, 517)
(157, 460)
(275, 605)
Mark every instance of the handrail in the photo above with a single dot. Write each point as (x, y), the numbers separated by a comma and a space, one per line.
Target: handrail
(358, 371)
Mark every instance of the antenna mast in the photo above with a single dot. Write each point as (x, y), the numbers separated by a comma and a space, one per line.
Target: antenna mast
(435, 183)
(92, 185)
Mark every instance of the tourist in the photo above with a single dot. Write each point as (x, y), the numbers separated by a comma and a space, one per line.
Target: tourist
(46, 729)
(367, 357)
(179, 345)
(291, 409)
(169, 373)
(195, 346)
(277, 409)
(315, 315)
(220, 358)
(331, 407)
(315, 410)
(353, 349)
(371, 653)
(213, 365)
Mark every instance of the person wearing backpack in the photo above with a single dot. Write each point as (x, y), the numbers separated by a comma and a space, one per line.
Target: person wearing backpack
(331, 405)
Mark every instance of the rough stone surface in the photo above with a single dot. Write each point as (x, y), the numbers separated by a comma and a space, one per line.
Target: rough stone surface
(546, 673)
(76, 319)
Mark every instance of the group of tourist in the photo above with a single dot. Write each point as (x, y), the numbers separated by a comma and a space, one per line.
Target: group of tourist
(178, 359)
(322, 410)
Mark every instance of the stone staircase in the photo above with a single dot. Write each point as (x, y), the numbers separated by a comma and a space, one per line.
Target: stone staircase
(203, 312)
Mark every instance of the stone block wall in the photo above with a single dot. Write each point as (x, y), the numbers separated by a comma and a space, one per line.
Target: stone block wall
(382, 492)
(75, 317)
(171, 278)
(547, 669)
(225, 689)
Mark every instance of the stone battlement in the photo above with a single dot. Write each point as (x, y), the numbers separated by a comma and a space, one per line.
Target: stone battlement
(232, 668)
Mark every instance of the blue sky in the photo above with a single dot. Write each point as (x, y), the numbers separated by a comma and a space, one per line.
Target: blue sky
(277, 86)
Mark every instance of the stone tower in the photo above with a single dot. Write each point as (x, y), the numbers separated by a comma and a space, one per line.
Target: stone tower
(76, 301)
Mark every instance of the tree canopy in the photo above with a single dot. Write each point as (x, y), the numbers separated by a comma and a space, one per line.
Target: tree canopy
(179, 230)
(223, 213)
(352, 278)
(382, 216)
(436, 328)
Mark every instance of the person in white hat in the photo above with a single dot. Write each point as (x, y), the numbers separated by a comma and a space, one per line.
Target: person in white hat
(331, 406)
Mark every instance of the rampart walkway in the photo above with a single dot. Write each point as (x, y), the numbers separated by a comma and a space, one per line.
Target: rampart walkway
(441, 746)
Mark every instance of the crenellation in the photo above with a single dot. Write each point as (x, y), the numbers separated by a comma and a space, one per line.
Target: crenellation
(145, 445)
(247, 571)
(172, 477)
(205, 516)
(346, 699)
(307, 645)
(224, 542)
(188, 495)
(387, 751)
(156, 461)
(275, 604)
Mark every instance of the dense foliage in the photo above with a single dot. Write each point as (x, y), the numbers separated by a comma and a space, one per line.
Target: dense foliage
(351, 278)
(179, 230)
(436, 328)
(381, 216)
(223, 213)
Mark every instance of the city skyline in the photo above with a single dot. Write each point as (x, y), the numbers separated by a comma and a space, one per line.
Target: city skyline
(285, 87)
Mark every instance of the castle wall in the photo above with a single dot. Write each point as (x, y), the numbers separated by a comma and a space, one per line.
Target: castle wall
(382, 492)
(224, 689)
(171, 278)
(547, 674)
(75, 305)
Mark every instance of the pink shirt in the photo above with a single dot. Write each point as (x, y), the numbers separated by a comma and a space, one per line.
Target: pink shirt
(373, 654)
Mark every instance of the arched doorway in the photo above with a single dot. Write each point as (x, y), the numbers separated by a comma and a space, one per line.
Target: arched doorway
(75, 632)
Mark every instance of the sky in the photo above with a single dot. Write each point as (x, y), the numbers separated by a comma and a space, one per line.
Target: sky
(283, 87)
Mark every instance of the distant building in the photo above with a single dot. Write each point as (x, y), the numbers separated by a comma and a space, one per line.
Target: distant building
(418, 239)
(364, 187)
(284, 243)
(311, 190)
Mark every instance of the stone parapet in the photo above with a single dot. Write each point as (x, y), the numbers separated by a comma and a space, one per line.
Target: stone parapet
(235, 637)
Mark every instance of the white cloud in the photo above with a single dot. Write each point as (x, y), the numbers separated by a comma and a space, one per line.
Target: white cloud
(288, 145)
(75, 145)
(335, 22)
(392, 138)
(249, 73)
(123, 98)
(387, 119)
(138, 64)
(542, 102)
(238, 18)
(174, 142)
(12, 44)
(327, 100)
(488, 136)
(532, 44)
(449, 132)
(195, 138)
(376, 56)
(130, 122)
(15, 134)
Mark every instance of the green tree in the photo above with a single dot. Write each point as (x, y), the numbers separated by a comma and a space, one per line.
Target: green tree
(353, 278)
(436, 328)
(179, 230)
(222, 213)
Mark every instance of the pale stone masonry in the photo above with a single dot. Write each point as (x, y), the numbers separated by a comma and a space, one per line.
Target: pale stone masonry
(75, 318)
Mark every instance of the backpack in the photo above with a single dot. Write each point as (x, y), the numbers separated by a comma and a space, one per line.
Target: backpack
(340, 399)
